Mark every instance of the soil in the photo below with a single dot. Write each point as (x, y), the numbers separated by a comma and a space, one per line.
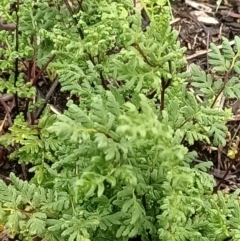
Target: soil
(196, 37)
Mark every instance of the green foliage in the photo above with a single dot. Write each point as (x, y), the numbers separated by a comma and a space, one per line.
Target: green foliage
(23, 89)
(114, 167)
(222, 64)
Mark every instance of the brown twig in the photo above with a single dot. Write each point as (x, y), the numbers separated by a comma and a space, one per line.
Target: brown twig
(7, 110)
(235, 118)
(24, 171)
(7, 26)
(206, 51)
(236, 132)
(43, 68)
(6, 97)
(50, 92)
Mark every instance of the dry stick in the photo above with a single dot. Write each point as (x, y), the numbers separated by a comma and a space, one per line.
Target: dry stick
(234, 118)
(7, 110)
(5, 179)
(6, 107)
(206, 51)
(220, 31)
(219, 157)
(175, 20)
(228, 13)
(6, 97)
(199, 6)
(51, 90)
(7, 26)
(2, 126)
(55, 110)
(235, 132)
(24, 171)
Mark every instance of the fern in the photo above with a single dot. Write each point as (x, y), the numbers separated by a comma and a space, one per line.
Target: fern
(114, 166)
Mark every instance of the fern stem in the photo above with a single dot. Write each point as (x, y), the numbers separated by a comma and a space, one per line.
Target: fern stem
(74, 18)
(136, 45)
(226, 78)
(215, 189)
(17, 59)
(44, 67)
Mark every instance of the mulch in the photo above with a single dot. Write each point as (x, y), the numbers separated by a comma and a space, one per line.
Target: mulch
(196, 37)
